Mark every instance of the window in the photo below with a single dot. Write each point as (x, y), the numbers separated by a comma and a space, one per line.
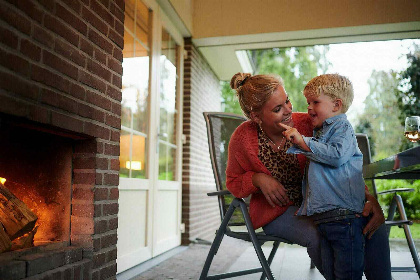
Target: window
(135, 91)
(168, 112)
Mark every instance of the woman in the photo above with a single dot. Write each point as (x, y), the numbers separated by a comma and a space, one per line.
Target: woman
(258, 165)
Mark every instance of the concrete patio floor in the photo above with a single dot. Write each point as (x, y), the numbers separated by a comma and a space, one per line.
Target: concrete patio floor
(291, 262)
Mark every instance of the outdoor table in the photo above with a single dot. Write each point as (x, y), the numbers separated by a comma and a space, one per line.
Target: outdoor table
(403, 165)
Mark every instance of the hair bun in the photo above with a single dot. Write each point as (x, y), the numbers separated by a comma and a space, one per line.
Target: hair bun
(239, 79)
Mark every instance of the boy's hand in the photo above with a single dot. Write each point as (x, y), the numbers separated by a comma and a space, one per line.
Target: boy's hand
(292, 134)
(295, 137)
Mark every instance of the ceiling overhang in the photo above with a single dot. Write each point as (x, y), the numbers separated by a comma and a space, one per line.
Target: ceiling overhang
(222, 52)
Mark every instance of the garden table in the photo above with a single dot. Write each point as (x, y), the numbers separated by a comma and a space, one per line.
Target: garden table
(403, 165)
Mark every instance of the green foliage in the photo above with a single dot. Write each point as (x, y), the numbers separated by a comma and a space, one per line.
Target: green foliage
(397, 232)
(411, 199)
(230, 102)
(295, 65)
(168, 176)
(409, 93)
(380, 120)
(392, 97)
(365, 126)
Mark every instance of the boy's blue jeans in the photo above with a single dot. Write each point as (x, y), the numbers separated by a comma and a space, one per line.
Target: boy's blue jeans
(343, 248)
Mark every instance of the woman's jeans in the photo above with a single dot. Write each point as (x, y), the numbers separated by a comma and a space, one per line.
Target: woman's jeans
(343, 248)
(301, 230)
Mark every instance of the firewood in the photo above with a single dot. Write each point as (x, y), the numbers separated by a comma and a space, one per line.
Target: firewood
(15, 216)
(24, 241)
(5, 243)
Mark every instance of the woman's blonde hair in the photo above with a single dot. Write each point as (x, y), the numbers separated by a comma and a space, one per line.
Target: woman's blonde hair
(254, 91)
(333, 85)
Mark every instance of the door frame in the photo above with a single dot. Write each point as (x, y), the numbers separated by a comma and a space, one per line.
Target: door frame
(152, 185)
(163, 21)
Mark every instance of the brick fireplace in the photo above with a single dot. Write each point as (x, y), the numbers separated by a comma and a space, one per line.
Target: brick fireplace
(60, 107)
(37, 166)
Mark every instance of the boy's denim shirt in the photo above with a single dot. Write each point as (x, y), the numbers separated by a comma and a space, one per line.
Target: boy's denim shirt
(334, 177)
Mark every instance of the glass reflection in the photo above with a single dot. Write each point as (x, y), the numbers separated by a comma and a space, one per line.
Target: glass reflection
(135, 91)
(167, 158)
(168, 113)
(125, 143)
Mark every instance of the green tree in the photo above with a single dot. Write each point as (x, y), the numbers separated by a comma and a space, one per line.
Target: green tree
(380, 119)
(364, 126)
(409, 93)
(229, 99)
(296, 65)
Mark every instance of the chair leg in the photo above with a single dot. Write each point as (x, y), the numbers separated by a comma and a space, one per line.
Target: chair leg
(216, 242)
(312, 264)
(391, 213)
(255, 242)
(271, 257)
(412, 247)
(407, 232)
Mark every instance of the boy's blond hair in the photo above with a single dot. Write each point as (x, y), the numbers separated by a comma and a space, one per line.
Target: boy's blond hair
(333, 85)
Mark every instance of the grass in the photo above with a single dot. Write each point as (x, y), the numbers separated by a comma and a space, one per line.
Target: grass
(397, 232)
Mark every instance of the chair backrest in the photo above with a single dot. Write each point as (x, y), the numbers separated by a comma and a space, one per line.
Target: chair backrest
(220, 127)
(364, 146)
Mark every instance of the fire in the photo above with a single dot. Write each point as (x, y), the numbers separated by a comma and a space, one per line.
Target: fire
(2, 180)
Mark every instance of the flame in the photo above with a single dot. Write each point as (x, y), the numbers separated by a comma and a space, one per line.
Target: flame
(2, 180)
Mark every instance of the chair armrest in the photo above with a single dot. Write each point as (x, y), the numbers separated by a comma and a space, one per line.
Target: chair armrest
(397, 190)
(399, 223)
(224, 192)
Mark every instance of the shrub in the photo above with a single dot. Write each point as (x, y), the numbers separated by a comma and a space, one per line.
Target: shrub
(411, 199)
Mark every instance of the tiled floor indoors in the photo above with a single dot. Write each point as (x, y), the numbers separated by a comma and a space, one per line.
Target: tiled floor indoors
(291, 262)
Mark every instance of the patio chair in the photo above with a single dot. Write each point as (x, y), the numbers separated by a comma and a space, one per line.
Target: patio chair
(396, 205)
(233, 211)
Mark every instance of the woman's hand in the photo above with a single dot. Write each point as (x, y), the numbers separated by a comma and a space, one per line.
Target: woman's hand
(377, 218)
(274, 192)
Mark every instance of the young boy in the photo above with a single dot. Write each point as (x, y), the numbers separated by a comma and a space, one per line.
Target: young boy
(333, 186)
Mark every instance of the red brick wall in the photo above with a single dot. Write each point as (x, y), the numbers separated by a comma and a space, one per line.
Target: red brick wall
(60, 66)
(201, 93)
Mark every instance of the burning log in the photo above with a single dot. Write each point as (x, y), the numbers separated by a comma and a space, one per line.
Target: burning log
(24, 241)
(16, 217)
(5, 243)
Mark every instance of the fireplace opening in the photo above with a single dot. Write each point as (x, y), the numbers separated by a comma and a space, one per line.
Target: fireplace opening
(37, 167)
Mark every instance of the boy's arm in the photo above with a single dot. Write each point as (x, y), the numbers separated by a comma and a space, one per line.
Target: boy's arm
(338, 150)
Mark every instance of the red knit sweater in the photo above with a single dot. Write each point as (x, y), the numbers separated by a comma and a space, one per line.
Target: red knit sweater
(243, 163)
